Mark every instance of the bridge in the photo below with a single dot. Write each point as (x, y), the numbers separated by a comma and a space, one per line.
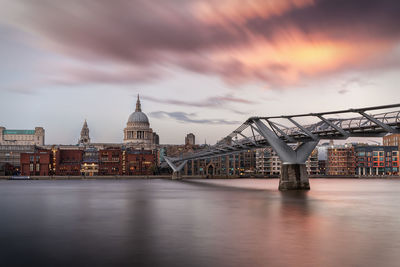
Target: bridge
(294, 137)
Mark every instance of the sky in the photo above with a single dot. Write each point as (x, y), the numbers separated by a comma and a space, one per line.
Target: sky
(200, 67)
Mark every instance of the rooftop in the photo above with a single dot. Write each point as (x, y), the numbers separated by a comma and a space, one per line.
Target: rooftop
(31, 132)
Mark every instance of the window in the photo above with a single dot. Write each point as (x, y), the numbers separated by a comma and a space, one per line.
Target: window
(31, 167)
(31, 158)
(37, 167)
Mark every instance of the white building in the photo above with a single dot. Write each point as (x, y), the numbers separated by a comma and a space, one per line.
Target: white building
(22, 137)
(268, 162)
(138, 133)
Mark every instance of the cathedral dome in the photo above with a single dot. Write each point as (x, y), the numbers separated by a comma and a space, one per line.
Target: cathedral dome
(138, 116)
(138, 134)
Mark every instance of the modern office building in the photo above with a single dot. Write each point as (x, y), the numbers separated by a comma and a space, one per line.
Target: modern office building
(10, 158)
(268, 162)
(377, 160)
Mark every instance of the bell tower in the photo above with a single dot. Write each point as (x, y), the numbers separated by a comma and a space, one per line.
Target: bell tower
(84, 139)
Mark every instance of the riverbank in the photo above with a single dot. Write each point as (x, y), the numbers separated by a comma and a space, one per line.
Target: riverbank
(169, 177)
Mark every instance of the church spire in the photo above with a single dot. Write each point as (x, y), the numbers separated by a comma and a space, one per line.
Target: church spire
(84, 139)
(138, 106)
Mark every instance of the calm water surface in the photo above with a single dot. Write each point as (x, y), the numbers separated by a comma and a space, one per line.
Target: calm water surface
(340, 222)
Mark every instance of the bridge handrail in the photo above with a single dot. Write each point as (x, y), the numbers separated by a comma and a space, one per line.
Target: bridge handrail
(370, 123)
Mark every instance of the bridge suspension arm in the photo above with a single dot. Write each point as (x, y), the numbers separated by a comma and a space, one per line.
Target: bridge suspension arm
(379, 123)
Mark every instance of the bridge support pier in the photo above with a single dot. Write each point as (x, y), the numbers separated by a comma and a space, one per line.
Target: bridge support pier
(176, 174)
(294, 177)
(293, 169)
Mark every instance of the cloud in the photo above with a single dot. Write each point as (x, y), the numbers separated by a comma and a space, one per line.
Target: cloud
(343, 91)
(215, 101)
(276, 42)
(114, 75)
(188, 118)
(23, 89)
(354, 83)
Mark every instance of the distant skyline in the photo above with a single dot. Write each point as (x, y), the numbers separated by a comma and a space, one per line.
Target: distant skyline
(199, 66)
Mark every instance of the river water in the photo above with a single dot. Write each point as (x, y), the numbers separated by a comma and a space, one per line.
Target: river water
(240, 222)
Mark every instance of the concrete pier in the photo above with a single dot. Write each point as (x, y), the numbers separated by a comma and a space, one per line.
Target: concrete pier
(294, 177)
(176, 175)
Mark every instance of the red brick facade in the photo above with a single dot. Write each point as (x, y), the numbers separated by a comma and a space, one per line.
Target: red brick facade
(68, 162)
(138, 162)
(341, 161)
(110, 161)
(36, 163)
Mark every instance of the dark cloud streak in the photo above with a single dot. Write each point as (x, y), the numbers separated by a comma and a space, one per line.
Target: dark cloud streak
(348, 19)
(215, 101)
(188, 118)
(153, 35)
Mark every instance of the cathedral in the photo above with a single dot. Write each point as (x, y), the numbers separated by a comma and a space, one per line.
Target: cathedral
(138, 133)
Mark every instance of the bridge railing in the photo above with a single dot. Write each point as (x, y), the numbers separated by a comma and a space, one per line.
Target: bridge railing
(359, 123)
(327, 128)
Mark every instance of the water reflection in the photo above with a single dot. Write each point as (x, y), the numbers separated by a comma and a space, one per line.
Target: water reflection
(199, 223)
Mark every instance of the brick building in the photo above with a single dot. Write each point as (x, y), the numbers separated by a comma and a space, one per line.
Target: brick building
(341, 161)
(110, 161)
(36, 163)
(392, 140)
(90, 162)
(138, 162)
(67, 161)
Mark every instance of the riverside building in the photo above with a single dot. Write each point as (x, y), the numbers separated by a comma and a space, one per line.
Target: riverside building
(341, 160)
(22, 137)
(377, 160)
